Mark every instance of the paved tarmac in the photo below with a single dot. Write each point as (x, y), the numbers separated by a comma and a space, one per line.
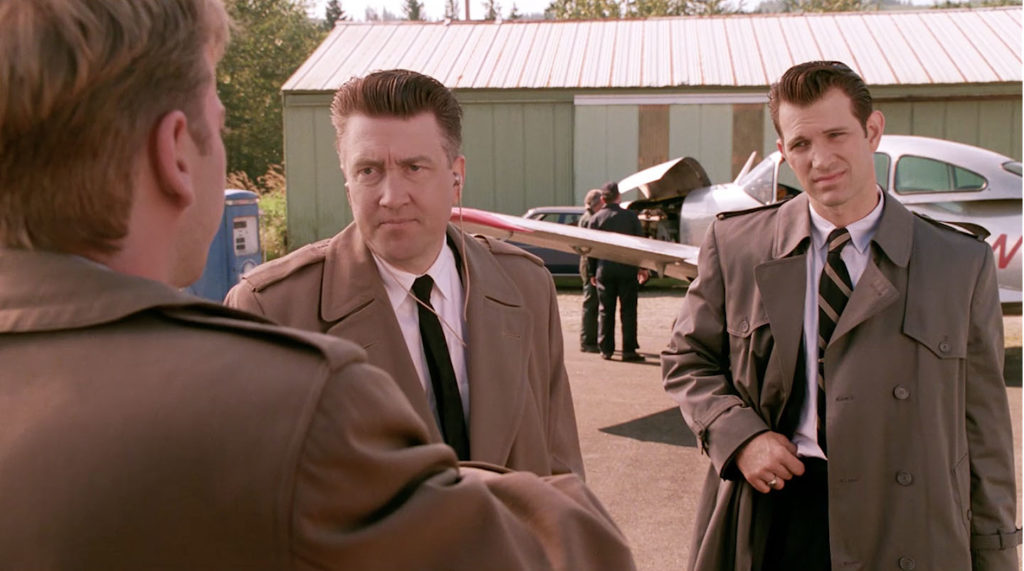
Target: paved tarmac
(640, 457)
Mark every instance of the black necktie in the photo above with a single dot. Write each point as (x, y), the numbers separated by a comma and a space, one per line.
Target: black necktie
(833, 292)
(442, 375)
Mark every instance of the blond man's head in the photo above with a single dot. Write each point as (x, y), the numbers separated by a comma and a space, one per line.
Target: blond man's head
(82, 83)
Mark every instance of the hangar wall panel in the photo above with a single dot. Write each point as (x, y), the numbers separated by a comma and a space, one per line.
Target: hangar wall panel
(548, 151)
(704, 132)
(317, 207)
(993, 123)
(606, 146)
(518, 155)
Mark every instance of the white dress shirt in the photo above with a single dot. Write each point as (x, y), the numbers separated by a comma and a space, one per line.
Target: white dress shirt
(856, 259)
(447, 298)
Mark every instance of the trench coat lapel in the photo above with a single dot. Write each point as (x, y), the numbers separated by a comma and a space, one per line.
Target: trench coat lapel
(782, 282)
(497, 352)
(875, 291)
(353, 300)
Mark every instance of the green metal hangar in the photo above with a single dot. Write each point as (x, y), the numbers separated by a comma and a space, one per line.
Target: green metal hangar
(553, 108)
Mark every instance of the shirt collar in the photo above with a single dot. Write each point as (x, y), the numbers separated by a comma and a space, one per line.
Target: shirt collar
(861, 231)
(398, 283)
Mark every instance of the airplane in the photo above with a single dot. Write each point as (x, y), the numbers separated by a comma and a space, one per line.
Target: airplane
(965, 186)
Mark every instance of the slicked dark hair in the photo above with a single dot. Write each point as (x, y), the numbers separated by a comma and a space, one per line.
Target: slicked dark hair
(805, 83)
(399, 93)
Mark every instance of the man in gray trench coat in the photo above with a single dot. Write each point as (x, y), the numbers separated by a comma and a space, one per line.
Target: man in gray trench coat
(884, 442)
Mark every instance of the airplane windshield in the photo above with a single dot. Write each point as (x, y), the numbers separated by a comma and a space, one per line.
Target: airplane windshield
(759, 181)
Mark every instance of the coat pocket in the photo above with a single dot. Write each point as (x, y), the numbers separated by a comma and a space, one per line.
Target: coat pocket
(750, 348)
(942, 333)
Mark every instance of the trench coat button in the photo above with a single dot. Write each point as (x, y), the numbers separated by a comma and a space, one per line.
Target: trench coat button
(944, 347)
(901, 392)
(907, 563)
(904, 478)
(744, 326)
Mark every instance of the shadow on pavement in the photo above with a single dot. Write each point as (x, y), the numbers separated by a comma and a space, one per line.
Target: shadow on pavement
(1012, 367)
(666, 427)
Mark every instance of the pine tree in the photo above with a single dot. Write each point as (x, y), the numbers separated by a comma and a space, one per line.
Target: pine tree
(826, 5)
(491, 9)
(514, 14)
(451, 11)
(413, 10)
(583, 10)
(333, 14)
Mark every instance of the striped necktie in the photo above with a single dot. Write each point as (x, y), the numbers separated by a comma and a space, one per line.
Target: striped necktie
(834, 291)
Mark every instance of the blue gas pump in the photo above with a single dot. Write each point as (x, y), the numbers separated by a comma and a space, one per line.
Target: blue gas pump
(236, 247)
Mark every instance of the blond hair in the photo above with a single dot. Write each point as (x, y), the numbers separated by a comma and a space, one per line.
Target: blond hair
(82, 84)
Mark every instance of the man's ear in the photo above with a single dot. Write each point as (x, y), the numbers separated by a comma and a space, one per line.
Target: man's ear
(171, 152)
(875, 126)
(459, 177)
(778, 145)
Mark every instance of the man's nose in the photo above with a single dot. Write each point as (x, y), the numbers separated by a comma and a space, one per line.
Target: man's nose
(394, 192)
(821, 157)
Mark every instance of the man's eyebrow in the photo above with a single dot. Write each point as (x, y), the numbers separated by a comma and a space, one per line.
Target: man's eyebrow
(362, 161)
(417, 159)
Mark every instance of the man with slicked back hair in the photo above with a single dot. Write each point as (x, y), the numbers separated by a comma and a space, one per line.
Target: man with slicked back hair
(500, 392)
(854, 413)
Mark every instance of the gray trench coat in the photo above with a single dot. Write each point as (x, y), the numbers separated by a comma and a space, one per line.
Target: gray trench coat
(921, 470)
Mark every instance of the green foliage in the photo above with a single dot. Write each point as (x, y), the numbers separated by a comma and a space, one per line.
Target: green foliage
(827, 5)
(413, 10)
(333, 14)
(654, 8)
(583, 10)
(270, 39)
(611, 9)
(514, 13)
(713, 7)
(273, 208)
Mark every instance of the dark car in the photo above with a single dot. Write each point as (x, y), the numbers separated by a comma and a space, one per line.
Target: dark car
(560, 264)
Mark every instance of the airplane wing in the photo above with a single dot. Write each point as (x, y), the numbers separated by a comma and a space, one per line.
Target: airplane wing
(667, 258)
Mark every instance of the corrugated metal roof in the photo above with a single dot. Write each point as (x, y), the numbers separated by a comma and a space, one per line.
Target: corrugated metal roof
(887, 48)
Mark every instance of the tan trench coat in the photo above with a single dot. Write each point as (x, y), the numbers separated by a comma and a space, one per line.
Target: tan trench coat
(520, 413)
(921, 470)
(145, 429)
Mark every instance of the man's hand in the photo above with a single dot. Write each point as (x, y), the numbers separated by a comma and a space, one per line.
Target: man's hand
(642, 275)
(768, 460)
(593, 281)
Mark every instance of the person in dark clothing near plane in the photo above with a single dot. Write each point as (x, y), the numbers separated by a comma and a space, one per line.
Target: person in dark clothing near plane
(588, 325)
(616, 282)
